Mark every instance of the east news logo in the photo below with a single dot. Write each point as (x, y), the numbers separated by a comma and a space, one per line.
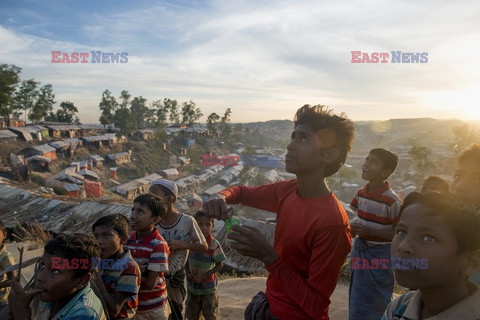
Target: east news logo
(396, 57)
(96, 57)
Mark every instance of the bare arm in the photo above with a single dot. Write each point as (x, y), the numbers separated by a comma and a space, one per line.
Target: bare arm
(6, 283)
(150, 280)
(114, 302)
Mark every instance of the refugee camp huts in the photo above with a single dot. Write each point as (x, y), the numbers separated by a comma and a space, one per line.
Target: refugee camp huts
(213, 190)
(7, 135)
(91, 129)
(74, 143)
(13, 123)
(40, 150)
(184, 161)
(195, 201)
(113, 172)
(138, 186)
(96, 160)
(62, 148)
(39, 163)
(89, 175)
(72, 190)
(22, 133)
(108, 139)
(145, 134)
(119, 158)
(230, 174)
(170, 174)
(63, 130)
(75, 165)
(69, 175)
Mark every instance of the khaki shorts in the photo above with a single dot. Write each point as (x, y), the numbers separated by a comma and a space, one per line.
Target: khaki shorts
(156, 314)
(206, 304)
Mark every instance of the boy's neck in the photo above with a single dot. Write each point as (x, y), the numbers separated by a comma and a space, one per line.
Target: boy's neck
(312, 185)
(375, 185)
(59, 304)
(170, 217)
(437, 300)
(146, 232)
(118, 254)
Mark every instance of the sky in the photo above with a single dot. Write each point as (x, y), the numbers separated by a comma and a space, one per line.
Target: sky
(262, 59)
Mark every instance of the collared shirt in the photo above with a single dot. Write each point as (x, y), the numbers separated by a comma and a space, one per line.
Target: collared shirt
(6, 260)
(409, 306)
(85, 305)
(124, 277)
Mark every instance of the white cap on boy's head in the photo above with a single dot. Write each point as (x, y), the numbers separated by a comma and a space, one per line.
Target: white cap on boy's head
(170, 185)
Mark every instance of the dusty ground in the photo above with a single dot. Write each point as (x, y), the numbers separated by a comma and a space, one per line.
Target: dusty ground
(234, 293)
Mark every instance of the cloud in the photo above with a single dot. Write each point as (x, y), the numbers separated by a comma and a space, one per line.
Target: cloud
(260, 58)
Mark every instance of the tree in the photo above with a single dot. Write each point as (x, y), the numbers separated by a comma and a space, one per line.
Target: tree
(421, 160)
(26, 96)
(9, 79)
(225, 126)
(67, 113)
(464, 135)
(172, 106)
(123, 118)
(190, 114)
(211, 123)
(44, 104)
(161, 112)
(108, 106)
(139, 112)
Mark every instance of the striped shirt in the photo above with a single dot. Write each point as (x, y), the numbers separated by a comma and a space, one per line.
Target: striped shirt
(151, 253)
(377, 210)
(6, 260)
(125, 279)
(202, 262)
(84, 305)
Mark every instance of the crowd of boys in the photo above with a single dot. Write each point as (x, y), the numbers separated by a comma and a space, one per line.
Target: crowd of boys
(141, 274)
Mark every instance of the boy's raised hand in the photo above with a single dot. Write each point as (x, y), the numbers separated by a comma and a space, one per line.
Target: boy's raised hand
(19, 300)
(249, 241)
(216, 206)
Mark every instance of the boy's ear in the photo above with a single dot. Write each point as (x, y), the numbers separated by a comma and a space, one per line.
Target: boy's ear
(156, 220)
(330, 155)
(83, 280)
(472, 263)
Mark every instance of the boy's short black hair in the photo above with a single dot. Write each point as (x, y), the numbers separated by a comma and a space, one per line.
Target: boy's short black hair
(3, 228)
(462, 218)
(472, 152)
(321, 117)
(389, 159)
(117, 222)
(77, 245)
(202, 214)
(152, 202)
(435, 183)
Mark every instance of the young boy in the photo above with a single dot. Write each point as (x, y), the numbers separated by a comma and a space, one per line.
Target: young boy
(182, 235)
(435, 184)
(6, 260)
(377, 207)
(435, 228)
(312, 235)
(150, 251)
(119, 276)
(62, 288)
(202, 271)
(466, 181)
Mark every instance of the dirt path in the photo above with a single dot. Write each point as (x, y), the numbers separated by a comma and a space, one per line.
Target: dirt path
(236, 293)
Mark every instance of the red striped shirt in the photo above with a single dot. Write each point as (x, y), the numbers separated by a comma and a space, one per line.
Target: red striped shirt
(151, 253)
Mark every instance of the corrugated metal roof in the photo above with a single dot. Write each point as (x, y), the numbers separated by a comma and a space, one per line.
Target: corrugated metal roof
(114, 156)
(72, 187)
(39, 158)
(92, 126)
(44, 148)
(62, 127)
(7, 134)
(104, 137)
(85, 172)
(171, 171)
(214, 189)
(96, 157)
(59, 144)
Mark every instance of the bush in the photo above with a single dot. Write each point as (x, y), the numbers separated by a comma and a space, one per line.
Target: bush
(37, 179)
(59, 190)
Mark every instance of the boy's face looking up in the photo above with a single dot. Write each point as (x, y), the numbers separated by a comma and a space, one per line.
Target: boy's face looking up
(206, 225)
(466, 180)
(57, 284)
(141, 218)
(423, 235)
(309, 150)
(372, 169)
(109, 241)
